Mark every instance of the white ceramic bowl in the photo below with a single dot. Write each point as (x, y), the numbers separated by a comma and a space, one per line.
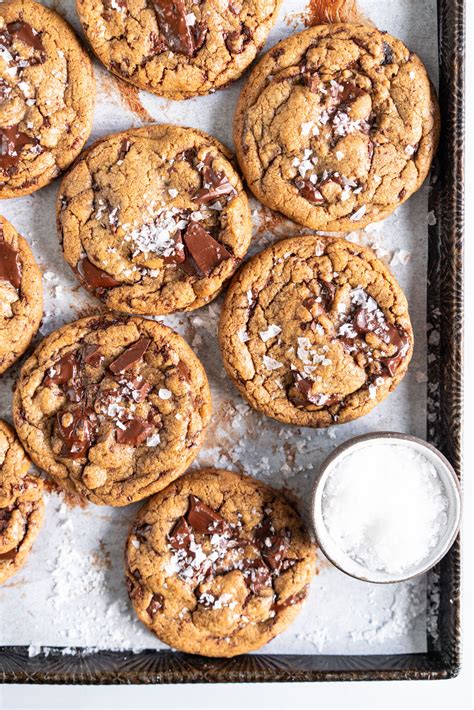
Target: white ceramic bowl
(448, 477)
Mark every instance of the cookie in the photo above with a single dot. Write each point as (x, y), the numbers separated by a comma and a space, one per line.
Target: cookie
(218, 563)
(315, 331)
(21, 504)
(21, 295)
(112, 408)
(336, 126)
(179, 48)
(154, 220)
(47, 94)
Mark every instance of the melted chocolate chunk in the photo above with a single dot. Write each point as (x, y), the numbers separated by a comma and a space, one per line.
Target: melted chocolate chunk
(177, 34)
(12, 141)
(301, 394)
(26, 34)
(155, 605)
(326, 291)
(204, 250)
(10, 264)
(215, 184)
(140, 388)
(204, 519)
(290, 601)
(183, 371)
(273, 545)
(66, 373)
(96, 278)
(10, 555)
(349, 94)
(133, 354)
(76, 428)
(181, 535)
(125, 146)
(134, 431)
(178, 254)
(387, 54)
(257, 575)
(92, 355)
(309, 191)
(402, 343)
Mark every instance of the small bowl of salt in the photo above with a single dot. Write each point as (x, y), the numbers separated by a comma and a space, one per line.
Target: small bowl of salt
(386, 507)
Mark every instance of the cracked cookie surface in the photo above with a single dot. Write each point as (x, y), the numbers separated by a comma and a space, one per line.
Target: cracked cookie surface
(21, 295)
(113, 408)
(315, 331)
(21, 504)
(47, 95)
(154, 220)
(336, 126)
(218, 563)
(177, 49)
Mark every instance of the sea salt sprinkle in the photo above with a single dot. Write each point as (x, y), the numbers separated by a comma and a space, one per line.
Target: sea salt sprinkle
(385, 506)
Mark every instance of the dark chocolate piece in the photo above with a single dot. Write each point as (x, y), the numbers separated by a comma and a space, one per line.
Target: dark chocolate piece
(215, 184)
(10, 264)
(96, 278)
(204, 519)
(12, 141)
(177, 34)
(135, 431)
(130, 356)
(26, 34)
(206, 252)
(92, 355)
(77, 436)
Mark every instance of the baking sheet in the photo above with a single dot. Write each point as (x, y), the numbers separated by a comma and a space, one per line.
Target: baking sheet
(71, 592)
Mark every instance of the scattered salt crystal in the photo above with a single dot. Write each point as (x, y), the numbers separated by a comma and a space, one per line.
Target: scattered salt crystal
(153, 440)
(359, 214)
(270, 332)
(270, 363)
(164, 393)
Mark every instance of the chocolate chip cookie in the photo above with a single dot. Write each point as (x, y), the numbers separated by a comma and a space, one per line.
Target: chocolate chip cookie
(47, 94)
(337, 126)
(113, 408)
(315, 331)
(218, 563)
(177, 48)
(154, 220)
(21, 504)
(21, 295)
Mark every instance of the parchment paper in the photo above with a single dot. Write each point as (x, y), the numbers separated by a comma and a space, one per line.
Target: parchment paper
(72, 592)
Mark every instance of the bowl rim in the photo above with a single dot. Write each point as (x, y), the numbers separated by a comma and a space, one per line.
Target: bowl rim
(339, 451)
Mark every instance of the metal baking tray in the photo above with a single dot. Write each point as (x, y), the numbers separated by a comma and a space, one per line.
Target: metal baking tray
(444, 422)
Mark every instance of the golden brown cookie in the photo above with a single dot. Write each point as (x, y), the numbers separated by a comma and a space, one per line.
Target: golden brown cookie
(154, 220)
(315, 331)
(218, 563)
(177, 48)
(21, 504)
(113, 408)
(21, 295)
(336, 126)
(47, 94)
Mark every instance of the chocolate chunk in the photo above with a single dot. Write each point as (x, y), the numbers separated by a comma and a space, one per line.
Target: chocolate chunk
(350, 93)
(26, 34)
(134, 431)
(326, 291)
(257, 576)
(387, 54)
(124, 148)
(204, 519)
(183, 371)
(96, 278)
(272, 545)
(309, 191)
(181, 535)
(10, 264)
(155, 605)
(312, 81)
(12, 141)
(205, 251)
(215, 184)
(290, 601)
(76, 428)
(140, 388)
(301, 394)
(133, 354)
(402, 343)
(5, 516)
(67, 375)
(10, 555)
(171, 17)
(92, 355)
(178, 255)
